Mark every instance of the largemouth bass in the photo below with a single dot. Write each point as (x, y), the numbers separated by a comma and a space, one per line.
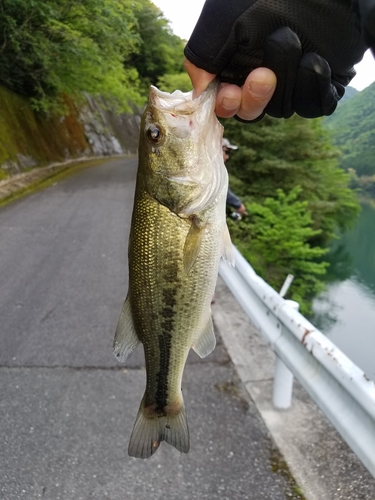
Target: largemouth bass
(178, 234)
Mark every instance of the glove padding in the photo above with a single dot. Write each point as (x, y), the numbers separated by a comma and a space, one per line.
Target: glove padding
(311, 46)
(367, 15)
(304, 83)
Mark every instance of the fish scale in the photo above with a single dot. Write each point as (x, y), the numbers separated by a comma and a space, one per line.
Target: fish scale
(164, 269)
(178, 233)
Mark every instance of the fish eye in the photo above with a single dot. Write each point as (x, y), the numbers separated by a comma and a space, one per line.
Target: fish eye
(154, 134)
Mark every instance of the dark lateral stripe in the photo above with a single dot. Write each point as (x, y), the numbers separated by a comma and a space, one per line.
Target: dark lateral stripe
(165, 344)
(167, 316)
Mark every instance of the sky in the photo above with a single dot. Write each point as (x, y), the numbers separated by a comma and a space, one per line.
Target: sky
(183, 19)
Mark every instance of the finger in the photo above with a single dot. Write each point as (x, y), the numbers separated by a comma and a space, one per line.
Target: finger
(256, 93)
(228, 100)
(314, 94)
(282, 54)
(199, 78)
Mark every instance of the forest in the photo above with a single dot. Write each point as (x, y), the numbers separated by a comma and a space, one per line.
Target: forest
(103, 47)
(287, 174)
(352, 128)
(285, 171)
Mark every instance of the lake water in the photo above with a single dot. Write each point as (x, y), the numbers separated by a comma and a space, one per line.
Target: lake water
(345, 312)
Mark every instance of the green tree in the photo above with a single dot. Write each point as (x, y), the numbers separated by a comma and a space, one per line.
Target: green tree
(287, 230)
(160, 52)
(53, 47)
(275, 240)
(283, 154)
(169, 83)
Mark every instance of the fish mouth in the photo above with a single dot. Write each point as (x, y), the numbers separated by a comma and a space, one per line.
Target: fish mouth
(182, 103)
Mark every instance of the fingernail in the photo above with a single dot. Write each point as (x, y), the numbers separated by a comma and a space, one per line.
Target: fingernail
(230, 104)
(259, 90)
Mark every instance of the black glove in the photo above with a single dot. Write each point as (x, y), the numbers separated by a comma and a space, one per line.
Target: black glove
(311, 46)
(367, 15)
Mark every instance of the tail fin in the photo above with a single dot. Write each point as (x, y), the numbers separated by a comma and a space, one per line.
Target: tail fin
(152, 428)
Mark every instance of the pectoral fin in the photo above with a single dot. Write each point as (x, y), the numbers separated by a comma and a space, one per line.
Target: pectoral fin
(126, 339)
(193, 243)
(227, 247)
(207, 340)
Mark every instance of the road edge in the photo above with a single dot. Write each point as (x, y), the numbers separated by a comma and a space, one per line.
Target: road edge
(25, 183)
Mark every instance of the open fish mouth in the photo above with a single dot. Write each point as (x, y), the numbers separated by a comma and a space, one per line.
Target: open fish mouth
(182, 103)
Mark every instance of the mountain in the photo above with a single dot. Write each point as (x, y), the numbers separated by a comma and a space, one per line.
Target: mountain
(352, 127)
(349, 92)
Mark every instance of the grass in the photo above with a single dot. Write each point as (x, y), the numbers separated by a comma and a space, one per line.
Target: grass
(279, 466)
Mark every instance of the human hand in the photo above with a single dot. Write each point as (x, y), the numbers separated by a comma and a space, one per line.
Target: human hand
(247, 102)
(242, 210)
(311, 46)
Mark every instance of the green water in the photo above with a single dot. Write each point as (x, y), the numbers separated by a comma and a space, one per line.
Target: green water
(345, 312)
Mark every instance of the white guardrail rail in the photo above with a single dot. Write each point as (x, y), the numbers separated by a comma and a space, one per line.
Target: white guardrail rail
(339, 387)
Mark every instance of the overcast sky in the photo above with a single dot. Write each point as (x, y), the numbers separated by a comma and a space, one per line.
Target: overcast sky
(183, 20)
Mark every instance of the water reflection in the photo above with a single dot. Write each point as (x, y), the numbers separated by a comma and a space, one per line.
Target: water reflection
(360, 243)
(340, 263)
(345, 312)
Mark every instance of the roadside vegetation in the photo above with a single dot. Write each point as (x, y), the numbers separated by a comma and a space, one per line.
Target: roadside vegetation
(287, 174)
(286, 171)
(49, 48)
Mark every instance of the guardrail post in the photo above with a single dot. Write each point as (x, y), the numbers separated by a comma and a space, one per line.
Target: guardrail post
(282, 386)
(283, 379)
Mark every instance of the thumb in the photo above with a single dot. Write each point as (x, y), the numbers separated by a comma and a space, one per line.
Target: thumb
(199, 78)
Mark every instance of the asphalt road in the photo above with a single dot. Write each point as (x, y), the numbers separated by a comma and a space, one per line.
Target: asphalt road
(67, 407)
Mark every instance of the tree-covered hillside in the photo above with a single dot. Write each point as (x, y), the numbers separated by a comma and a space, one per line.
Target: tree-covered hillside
(349, 93)
(286, 173)
(352, 127)
(49, 48)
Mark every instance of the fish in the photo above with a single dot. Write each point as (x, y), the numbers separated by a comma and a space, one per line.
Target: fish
(178, 235)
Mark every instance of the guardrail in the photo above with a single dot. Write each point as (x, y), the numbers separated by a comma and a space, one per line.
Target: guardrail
(339, 387)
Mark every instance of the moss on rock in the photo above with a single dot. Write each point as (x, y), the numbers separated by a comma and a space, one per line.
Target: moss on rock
(28, 138)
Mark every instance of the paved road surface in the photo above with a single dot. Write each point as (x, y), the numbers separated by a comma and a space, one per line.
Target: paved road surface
(67, 407)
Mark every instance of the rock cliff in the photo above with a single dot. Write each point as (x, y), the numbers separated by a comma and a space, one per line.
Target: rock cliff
(29, 139)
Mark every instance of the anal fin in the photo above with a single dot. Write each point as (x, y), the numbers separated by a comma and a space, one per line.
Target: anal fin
(126, 339)
(207, 341)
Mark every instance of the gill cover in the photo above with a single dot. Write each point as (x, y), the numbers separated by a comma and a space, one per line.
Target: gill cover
(183, 141)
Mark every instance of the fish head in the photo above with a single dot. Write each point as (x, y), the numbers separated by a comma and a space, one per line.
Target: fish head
(180, 150)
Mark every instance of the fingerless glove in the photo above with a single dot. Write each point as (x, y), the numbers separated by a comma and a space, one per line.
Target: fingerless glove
(311, 45)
